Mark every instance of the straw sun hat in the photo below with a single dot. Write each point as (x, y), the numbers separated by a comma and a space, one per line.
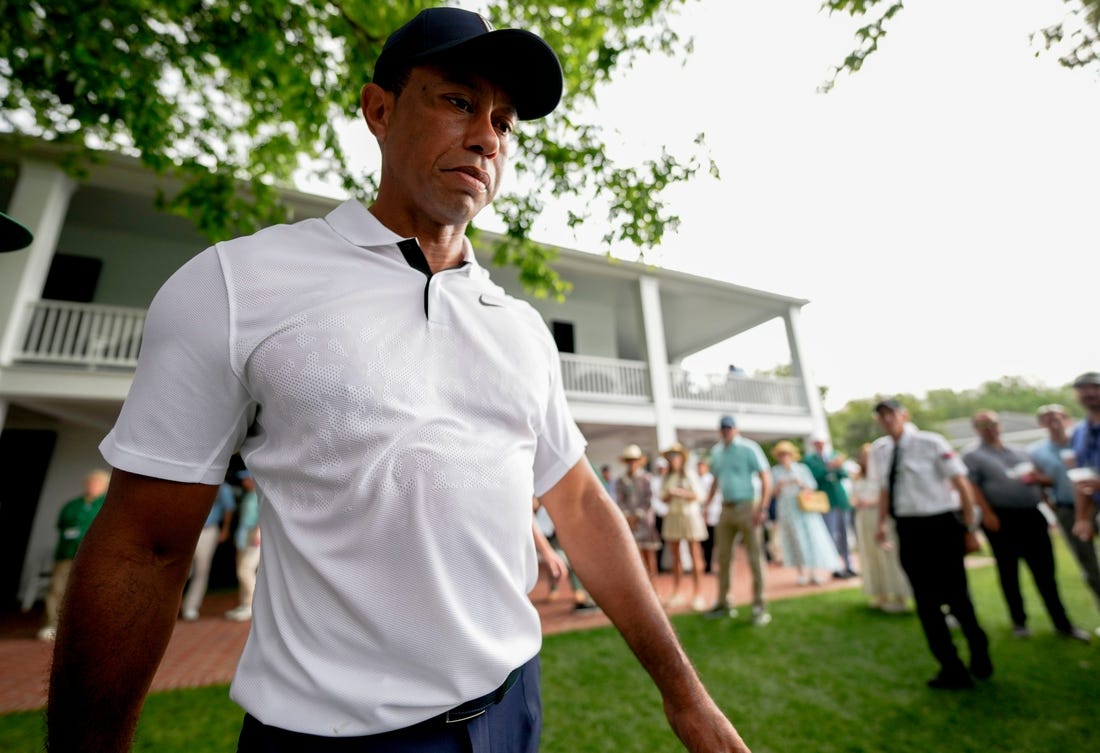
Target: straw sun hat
(788, 447)
(676, 449)
(632, 452)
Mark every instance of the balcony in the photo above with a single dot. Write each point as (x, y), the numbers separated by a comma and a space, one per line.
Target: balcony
(87, 335)
(616, 380)
(97, 337)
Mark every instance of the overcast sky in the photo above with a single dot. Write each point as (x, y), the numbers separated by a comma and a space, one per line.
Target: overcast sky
(939, 209)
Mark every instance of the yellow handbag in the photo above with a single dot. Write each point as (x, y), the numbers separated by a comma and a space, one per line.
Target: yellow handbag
(812, 500)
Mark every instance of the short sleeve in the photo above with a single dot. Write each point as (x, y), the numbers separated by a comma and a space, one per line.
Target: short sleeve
(187, 411)
(874, 467)
(948, 461)
(807, 475)
(759, 457)
(561, 444)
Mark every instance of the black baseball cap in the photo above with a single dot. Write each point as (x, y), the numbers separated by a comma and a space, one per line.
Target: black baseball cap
(13, 236)
(1089, 377)
(889, 404)
(518, 61)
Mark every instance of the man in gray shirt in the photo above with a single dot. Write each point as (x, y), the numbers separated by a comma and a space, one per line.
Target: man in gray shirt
(1009, 493)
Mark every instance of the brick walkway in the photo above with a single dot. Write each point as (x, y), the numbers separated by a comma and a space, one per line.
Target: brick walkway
(205, 652)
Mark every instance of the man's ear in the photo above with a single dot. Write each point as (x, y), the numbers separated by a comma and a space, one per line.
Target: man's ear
(377, 104)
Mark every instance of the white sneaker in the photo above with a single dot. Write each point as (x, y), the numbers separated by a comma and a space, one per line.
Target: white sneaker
(761, 618)
(47, 634)
(801, 580)
(239, 614)
(700, 604)
(189, 615)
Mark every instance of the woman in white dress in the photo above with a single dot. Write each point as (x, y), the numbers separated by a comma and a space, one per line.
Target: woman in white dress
(683, 522)
(883, 579)
(804, 537)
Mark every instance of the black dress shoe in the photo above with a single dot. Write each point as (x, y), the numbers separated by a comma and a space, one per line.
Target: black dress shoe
(981, 666)
(951, 681)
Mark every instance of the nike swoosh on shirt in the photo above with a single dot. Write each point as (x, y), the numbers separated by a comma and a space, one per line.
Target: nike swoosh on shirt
(489, 301)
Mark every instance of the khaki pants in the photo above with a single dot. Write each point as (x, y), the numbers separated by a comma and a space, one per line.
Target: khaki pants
(59, 581)
(248, 559)
(737, 518)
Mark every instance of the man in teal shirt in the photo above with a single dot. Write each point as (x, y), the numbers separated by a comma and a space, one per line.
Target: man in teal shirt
(72, 524)
(735, 461)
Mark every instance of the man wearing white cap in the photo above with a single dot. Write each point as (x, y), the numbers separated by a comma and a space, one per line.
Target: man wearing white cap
(397, 411)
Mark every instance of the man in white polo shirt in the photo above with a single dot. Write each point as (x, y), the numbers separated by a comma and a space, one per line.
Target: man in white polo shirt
(397, 411)
(924, 488)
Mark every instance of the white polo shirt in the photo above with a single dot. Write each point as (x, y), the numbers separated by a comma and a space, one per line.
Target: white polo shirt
(927, 465)
(396, 426)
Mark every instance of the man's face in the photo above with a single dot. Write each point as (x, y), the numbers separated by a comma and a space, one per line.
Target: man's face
(1054, 422)
(95, 484)
(988, 426)
(1088, 395)
(819, 446)
(891, 421)
(445, 142)
(727, 433)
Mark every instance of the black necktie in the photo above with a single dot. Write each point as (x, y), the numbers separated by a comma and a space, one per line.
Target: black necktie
(893, 478)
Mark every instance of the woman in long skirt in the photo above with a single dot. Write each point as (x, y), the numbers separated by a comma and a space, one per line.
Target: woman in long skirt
(804, 536)
(883, 579)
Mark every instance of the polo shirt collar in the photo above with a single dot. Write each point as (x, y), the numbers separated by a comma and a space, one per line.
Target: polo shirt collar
(355, 224)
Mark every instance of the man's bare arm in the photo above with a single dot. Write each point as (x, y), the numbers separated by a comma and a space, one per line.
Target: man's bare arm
(604, 556)
(120, 609)
(970, 496)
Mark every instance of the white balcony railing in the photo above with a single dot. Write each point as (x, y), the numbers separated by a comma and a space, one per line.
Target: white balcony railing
(98, 336)
(761, 394)
(593, 376)
(83, 334)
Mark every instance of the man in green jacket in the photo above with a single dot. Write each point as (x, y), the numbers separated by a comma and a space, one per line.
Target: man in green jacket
(828, 470)
(72, 524)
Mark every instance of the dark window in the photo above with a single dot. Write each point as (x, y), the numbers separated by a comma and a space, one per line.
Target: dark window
(72, 278)
(563, 336)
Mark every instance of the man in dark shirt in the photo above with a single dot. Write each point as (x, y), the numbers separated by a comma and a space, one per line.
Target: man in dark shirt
(1009, 494)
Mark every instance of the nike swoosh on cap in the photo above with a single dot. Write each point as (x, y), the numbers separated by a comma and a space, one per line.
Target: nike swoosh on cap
(487, 300)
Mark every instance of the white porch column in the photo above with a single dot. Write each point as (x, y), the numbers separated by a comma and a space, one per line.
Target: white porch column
(40, 202)
(813, 398)
(657, 357)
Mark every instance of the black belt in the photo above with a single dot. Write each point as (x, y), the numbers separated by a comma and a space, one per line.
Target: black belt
(475, 708)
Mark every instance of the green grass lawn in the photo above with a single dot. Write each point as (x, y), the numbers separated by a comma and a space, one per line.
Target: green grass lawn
(827, 676)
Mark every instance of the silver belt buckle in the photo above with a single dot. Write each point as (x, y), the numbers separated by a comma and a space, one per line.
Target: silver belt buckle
(453, 717)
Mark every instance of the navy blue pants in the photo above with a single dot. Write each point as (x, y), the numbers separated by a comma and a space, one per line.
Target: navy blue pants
(511, 726)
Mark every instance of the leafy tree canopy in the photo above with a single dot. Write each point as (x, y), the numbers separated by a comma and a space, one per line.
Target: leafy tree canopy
(1075, 40)
(854, 424)
(225, 92)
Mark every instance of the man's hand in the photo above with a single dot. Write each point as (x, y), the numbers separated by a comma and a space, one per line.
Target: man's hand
(760, 515)
(1083, 529)
(556, 565)
(604, 556)
(703, 728)
(990, 521)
